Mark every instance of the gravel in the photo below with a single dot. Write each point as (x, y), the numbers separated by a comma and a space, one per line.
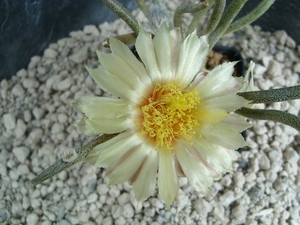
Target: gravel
(37, 125)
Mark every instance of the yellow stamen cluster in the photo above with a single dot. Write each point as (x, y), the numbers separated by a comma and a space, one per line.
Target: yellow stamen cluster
(169, 114)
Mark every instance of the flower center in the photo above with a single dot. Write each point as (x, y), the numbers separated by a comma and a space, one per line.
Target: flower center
(169, 114)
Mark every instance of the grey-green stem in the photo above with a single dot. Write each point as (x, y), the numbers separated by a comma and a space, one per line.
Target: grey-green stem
(60, 165)
(270, 114)
(275, 95)
(123, 13)
(215, 16)
(257, 12)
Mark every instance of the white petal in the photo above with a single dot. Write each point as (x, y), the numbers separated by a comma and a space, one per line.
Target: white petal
(195, 171)
(114, 85)
(216, 156)
(167, 179)
(122, 50)
(83, 128)
(192, 56)
(219, 82)
(229, 102)
(111, 151)
(127, 165)
(108, 126)
(102, 107)
(237, 122)
(145, 182)
(223, 135)
(163, 46)
(145, 48)
(116, 66)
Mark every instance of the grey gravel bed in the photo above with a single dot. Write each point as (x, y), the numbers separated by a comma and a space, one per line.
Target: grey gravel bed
(37, 124)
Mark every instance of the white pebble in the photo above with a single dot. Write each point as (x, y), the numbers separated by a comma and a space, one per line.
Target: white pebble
(128, 211)
(123, 198)
(65, 84)
(274, 68)
(22, 169)
(20, 128)
(50, 53)
(116, 211)
(9, 120)
(239, 212)
(18, 90)
(92, 198)
(38, 113)
(263, 161)
(32, 219)
(21, 153)
(80, 56)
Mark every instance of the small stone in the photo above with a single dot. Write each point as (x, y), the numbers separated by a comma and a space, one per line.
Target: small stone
(123, 198)
(114, 192)
(116, 211)
(33, 62)
(22, 73)
(64, 222)
(274, 68)
(90, 29)
(3, 170)
(32, 219)
(38, 113)
(239, 179)
(239, 212)
(263, 161)
(297, 67)
(290, 42)
(84, 216)
(21, 153)
(56, 128)
(128, 211)
(279, 56)
(18, 90)
(50, 53)
(22, 169)
(62, 118)
(291, 155)
(259, 69)
(227, 198)
(9, 121)
(20, 128)
(27, 116)
(255, 193)
(65, 84)
(80, 56)
(281, 36)
(35, 135)
(92, 198)
(30, 83)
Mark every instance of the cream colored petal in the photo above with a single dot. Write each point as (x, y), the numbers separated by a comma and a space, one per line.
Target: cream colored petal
(210, 115)
(167, 179)
(108, 126)
(102, 107)
(163, 47)
(229, 102)
(145, 182)
(192, 56)
(127, 165)
(215, 155)
(197, 174)
(111, 151)
(114, 85)
(145, 48)
(223, 135)
(83, 128)
(138, 69)
(116, 66)
(219, 82)
(237, 122)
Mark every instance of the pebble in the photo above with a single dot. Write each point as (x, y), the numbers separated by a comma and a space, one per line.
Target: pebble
(274, 68)
(50, 53)
(263, 161)
(65, 84)
(21, 153)
(32, 219)
(38, 113)
(239, 212)
(20, 128)
(92, 197)
(128, 211)
(18, 90)
(123, 199)
(9, 120)
(80, 56)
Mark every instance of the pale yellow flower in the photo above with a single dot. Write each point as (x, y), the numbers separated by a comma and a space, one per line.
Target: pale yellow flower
(172, 119)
